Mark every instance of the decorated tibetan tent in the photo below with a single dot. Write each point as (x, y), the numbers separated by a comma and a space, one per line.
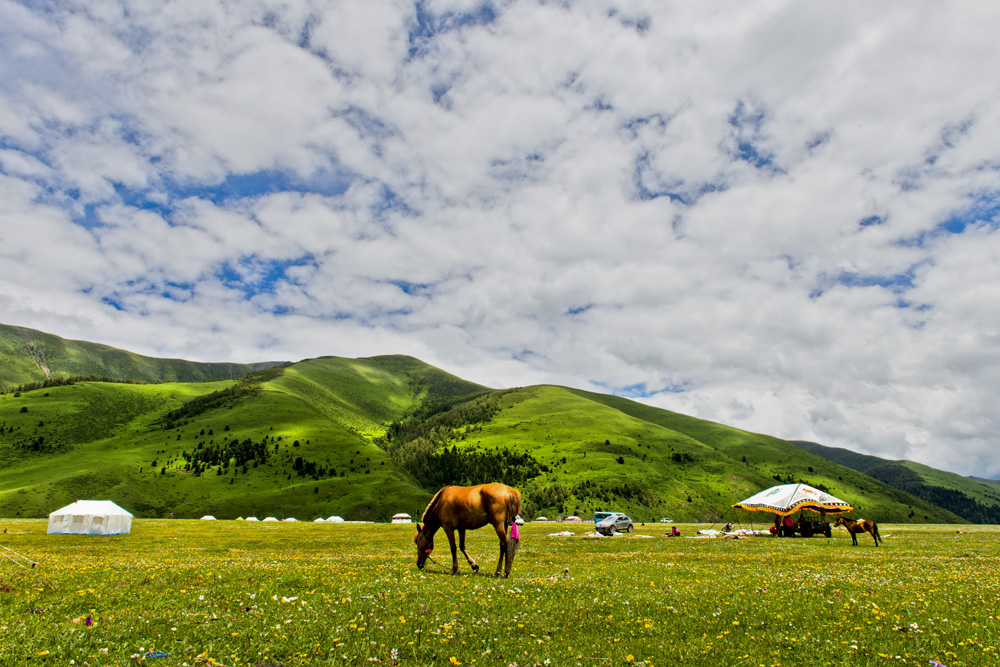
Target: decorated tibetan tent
(90, 517)
(790, 498)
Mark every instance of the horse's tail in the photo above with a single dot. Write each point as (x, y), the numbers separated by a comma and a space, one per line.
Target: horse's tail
(513, 505)
(432, 505)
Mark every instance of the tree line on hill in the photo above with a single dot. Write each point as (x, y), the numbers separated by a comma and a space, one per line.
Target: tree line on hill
(62, 382)
(246, 386)
(426, 448)
(904, 479)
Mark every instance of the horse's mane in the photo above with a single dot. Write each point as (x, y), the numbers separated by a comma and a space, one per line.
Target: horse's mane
(432, 505)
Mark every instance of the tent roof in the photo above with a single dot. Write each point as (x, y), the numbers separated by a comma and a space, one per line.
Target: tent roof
(101, 507)
(790, 498)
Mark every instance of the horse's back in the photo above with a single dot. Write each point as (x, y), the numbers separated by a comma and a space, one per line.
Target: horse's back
(475, 506)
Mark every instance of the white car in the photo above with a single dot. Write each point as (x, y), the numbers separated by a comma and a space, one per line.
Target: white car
(614, 523)
(666, 520)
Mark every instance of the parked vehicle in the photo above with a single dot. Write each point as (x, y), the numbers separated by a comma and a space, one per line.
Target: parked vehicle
(666, 520)
(616, 522)
(807, 528)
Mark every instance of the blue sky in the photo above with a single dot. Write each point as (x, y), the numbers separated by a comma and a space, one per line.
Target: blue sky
(775, 215)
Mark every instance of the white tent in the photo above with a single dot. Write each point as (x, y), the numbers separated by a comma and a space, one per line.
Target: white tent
(790, 498)
(334, 519)
(319, 520)
(90, 517)
(402, 517)
(208, 517)
(291, 519)
(252, 518)
(269, 518)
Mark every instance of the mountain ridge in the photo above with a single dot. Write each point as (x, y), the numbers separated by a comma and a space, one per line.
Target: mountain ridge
(32, 356)
(366, 438)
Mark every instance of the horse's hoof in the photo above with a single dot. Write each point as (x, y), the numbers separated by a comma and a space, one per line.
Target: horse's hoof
(475, 568)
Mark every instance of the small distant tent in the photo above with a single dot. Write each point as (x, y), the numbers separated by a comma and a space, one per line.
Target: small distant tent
(542, 518)
(269, 518)
(252, 518)
(573, 518)
(291, 519)
(402, 517)
(208, 517)
(787, 499)
(334, 519)
(90, 517)
(319, 520)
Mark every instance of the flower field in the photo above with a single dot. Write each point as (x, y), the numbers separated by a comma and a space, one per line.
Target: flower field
(235, 593)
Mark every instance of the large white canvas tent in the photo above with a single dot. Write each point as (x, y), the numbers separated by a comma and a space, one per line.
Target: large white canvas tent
(90, 517)
(790, 498)
(402, 517)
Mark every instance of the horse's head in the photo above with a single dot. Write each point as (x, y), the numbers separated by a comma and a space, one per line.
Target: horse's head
(839, 522)
(425, 545)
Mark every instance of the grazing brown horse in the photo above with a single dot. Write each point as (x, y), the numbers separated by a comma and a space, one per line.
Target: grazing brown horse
(467, 508)
(861, 526)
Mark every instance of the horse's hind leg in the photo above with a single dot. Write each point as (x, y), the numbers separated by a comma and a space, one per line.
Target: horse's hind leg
(461, 544)
(504, 551)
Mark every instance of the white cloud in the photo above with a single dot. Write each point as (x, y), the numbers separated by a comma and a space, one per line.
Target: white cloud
(737, 208)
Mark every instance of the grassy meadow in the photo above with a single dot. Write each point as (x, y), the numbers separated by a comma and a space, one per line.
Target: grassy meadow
(186, 592)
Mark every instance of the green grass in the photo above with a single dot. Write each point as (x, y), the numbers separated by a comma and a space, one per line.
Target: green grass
(234, 593)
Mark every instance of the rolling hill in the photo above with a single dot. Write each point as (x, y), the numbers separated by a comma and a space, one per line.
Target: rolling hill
(365, 438)
(29, 356)
(973, 499)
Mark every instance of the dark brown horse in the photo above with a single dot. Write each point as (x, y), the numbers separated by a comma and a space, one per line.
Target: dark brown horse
(860, 526)
(467, 508)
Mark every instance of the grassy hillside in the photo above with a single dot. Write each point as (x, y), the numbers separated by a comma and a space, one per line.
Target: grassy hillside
(28, 356)
(609, 453)
(974, 500)
(366, 438)
(298, 443)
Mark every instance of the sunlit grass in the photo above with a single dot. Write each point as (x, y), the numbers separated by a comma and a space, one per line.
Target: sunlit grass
(233, 593)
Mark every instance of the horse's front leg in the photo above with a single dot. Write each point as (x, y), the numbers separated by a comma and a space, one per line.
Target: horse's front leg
(461, 545)
(875, 537)
(454, 555)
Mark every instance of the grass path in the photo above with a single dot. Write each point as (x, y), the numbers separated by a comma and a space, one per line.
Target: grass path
(233, 593)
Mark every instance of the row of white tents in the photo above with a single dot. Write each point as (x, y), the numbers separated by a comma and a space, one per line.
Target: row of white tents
(103, 517)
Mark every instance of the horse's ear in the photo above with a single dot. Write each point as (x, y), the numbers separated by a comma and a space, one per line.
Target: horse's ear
(419, 529)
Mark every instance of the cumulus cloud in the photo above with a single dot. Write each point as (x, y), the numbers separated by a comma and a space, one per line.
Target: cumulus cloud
(771, 214)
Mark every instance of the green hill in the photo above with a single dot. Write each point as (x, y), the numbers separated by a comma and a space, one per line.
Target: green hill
(366, 438)
(29, 356)
(975, 500)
